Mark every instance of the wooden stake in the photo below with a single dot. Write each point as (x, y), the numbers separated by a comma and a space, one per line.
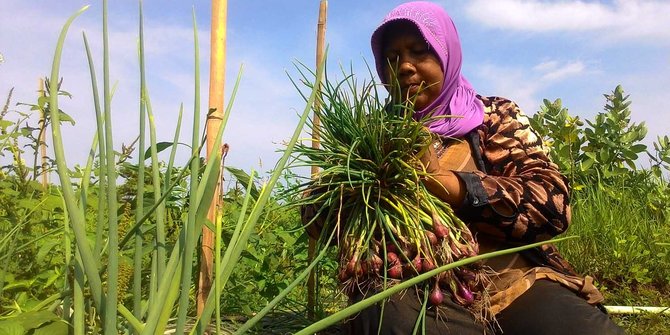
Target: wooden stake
(320, 46)
(217, 75)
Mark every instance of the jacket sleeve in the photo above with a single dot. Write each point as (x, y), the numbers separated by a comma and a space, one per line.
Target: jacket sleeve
(522, 197)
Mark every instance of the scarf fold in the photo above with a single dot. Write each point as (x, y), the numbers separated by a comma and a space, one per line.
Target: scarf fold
(457, 98)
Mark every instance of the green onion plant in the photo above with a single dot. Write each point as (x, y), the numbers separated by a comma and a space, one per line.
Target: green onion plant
(162, 278)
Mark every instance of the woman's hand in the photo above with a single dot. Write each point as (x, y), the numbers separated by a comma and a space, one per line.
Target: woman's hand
(430, 160)
(443, 183)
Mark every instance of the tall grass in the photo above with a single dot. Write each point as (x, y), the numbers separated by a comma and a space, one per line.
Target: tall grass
(622, 240)
(624, 246)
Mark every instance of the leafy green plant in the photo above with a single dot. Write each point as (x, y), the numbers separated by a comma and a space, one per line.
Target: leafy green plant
(660, 159)
(30, 222)
(563, 136)
(608, 147)
(613, 141)
(604, 153)
(35, 140)
(34, 323)
(274, 256)
(620, 211)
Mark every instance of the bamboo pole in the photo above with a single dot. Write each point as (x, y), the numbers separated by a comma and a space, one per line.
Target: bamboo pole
(320, 46)
(217, 74)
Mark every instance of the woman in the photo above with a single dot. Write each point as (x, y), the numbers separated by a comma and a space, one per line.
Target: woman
(500, 181)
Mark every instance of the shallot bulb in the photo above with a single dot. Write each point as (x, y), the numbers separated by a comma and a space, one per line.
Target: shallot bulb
(427, 265)
(395, 271)
(432, 238)
(438, 227)
(436, 296)
(464, 293)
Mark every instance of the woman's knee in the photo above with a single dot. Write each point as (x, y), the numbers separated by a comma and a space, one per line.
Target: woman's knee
(550, 308)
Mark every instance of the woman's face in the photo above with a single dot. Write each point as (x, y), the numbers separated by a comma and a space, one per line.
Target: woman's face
(416, 66)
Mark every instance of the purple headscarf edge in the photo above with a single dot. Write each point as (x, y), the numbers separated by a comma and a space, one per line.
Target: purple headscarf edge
(458, 97)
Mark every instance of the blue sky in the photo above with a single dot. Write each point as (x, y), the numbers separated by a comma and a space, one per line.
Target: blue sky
(523, 50)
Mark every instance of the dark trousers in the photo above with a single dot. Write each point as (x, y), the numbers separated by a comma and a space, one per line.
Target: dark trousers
(547, 308)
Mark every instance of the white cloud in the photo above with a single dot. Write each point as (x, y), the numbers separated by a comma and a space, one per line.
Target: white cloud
(523, 85)
(549, 65)
(512, 82)
(527, 86)
(261, 117)
(169, 53)
(554, 71)
(621, 19)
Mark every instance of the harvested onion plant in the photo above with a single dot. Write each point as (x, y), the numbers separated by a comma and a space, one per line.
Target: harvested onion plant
(370, 198)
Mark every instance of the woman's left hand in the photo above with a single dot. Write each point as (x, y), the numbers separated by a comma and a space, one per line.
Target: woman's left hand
(430, 160)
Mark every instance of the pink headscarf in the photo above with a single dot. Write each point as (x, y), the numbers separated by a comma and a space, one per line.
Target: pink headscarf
(457, 98)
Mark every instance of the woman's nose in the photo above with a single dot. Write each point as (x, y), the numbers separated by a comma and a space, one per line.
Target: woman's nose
(406, 65)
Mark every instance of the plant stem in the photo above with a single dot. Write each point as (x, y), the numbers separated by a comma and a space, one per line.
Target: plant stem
(189, 247)
(139, 203)
(160, 210)
(112, 220)
(76, 216)
(262, 200)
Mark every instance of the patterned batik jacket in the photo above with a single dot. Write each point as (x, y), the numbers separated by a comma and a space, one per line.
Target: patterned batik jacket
(514, 195)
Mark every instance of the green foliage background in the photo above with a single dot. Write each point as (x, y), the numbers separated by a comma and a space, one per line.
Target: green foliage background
(620, 204)
(621, 211)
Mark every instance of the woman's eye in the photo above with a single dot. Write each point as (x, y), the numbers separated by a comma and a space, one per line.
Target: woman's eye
(420, 51)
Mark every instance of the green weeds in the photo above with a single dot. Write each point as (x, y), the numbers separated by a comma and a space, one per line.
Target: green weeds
(620, 210)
